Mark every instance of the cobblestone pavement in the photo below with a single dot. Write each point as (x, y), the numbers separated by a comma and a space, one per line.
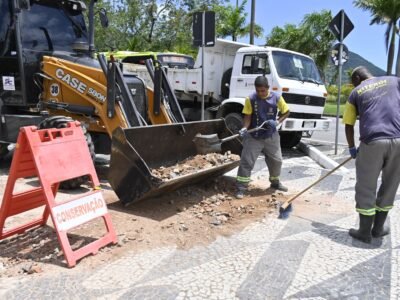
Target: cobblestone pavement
(308, 256)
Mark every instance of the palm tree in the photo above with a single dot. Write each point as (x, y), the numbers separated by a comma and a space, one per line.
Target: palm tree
(232, 22)
(384, 12)
(311, 37)
(398, 56)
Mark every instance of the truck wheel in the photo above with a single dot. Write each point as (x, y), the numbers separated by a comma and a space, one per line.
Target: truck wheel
(234, 121)
(225, 81)
(289, 139)
(61, 122)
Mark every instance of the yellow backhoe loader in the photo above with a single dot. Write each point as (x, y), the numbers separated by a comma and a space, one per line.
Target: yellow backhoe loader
(50, 76)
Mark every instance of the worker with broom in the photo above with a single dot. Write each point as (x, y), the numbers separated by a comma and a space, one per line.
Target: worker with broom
(376, 100)
(261, 107)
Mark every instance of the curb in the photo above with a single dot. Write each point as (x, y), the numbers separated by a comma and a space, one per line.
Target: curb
(319, 157)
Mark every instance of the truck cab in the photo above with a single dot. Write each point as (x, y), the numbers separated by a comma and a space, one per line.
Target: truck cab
(290, 74)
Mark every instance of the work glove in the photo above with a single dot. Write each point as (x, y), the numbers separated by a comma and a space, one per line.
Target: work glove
(242, 132)
(272, 124)
(353, 152)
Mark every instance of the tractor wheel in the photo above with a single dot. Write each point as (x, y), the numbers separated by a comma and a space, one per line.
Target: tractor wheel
(61, 122)
(234, 121)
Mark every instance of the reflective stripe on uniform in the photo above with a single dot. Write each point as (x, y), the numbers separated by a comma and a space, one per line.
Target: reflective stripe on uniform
(385, 208)
(366, 212)
(243, 179)
(273, 178)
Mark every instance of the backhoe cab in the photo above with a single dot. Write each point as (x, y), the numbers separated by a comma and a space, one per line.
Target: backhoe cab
(50, 76)
(48, 67)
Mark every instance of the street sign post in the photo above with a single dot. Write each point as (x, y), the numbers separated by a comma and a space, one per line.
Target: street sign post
(340, 26)
(204, 36)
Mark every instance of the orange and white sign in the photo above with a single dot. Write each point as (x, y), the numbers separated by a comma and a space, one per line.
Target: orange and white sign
(79, 211)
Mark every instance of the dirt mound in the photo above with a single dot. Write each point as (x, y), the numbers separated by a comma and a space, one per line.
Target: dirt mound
(191, 216)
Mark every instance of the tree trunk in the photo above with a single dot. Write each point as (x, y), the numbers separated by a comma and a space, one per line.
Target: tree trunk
(391, 51)
(398, 58)
(252, 22)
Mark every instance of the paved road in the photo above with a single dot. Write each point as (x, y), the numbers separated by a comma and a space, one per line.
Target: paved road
(308, 256)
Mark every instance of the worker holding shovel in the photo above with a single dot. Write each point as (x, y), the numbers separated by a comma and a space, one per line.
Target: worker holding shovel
(261, 107)
(376, 100)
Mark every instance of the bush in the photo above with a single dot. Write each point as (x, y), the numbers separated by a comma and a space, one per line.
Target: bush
(331, 98)
(344, 93)
(346, 90)
(332, 89)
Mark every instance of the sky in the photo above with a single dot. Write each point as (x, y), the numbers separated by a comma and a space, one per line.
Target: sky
(365, 40)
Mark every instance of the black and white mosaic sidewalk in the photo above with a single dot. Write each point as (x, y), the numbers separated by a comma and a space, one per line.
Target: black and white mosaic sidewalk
(308, 256)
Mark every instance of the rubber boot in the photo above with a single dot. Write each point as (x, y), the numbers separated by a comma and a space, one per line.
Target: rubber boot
(277, 185)
(379, 228)
(364, 232)
(239, 194)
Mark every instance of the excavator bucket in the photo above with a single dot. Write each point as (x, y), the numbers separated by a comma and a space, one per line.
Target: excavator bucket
(137, 153)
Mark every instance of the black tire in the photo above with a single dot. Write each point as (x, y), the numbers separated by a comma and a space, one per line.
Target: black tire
(289, 139)
(234, 121)
(61, 122)
(225, 81)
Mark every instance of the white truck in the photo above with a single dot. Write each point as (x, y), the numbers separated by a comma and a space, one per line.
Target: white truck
(230, 71)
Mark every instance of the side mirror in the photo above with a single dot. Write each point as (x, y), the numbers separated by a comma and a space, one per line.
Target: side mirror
(103, 18)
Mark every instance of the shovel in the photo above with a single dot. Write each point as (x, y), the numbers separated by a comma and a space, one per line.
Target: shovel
(210, 143)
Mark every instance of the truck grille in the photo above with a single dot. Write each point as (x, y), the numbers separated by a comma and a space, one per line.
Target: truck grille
(303, 99)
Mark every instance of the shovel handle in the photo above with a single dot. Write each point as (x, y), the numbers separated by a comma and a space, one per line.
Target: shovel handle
(287, 202)
(232, 137)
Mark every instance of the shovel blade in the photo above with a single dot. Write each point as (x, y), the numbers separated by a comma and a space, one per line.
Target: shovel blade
(207, 143)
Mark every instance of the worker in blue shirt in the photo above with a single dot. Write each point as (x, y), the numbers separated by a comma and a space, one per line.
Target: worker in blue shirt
(376, 101)
(261, 106)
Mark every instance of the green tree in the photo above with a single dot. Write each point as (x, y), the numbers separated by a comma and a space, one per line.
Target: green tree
(231, 21)
(125, 22)
(385, 12)
(167, 25)
(311, 37)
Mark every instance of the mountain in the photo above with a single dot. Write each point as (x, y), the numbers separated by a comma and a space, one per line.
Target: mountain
(354, 61)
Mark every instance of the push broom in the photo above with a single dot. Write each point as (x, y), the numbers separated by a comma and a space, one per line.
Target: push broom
(286, 207)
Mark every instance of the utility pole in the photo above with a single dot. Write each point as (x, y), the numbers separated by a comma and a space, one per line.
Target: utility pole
(252, 17)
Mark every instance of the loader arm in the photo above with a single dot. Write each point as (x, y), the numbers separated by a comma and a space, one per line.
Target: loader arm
(82, 90)
(161, 118)
(75, 84)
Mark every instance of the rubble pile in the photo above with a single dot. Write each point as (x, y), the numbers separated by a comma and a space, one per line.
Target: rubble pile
(216, 203)
(194, 164)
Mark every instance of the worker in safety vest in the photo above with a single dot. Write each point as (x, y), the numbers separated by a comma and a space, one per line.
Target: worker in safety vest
(263, 105)
(376, 100)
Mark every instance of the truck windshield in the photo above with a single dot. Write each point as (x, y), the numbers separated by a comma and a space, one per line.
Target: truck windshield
(52, 27)
(296, 67)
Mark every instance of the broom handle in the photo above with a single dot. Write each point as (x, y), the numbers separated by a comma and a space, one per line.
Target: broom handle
(237, 135)
(286, 204)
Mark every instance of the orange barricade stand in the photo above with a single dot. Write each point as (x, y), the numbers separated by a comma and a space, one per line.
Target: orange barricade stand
(55, 155)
